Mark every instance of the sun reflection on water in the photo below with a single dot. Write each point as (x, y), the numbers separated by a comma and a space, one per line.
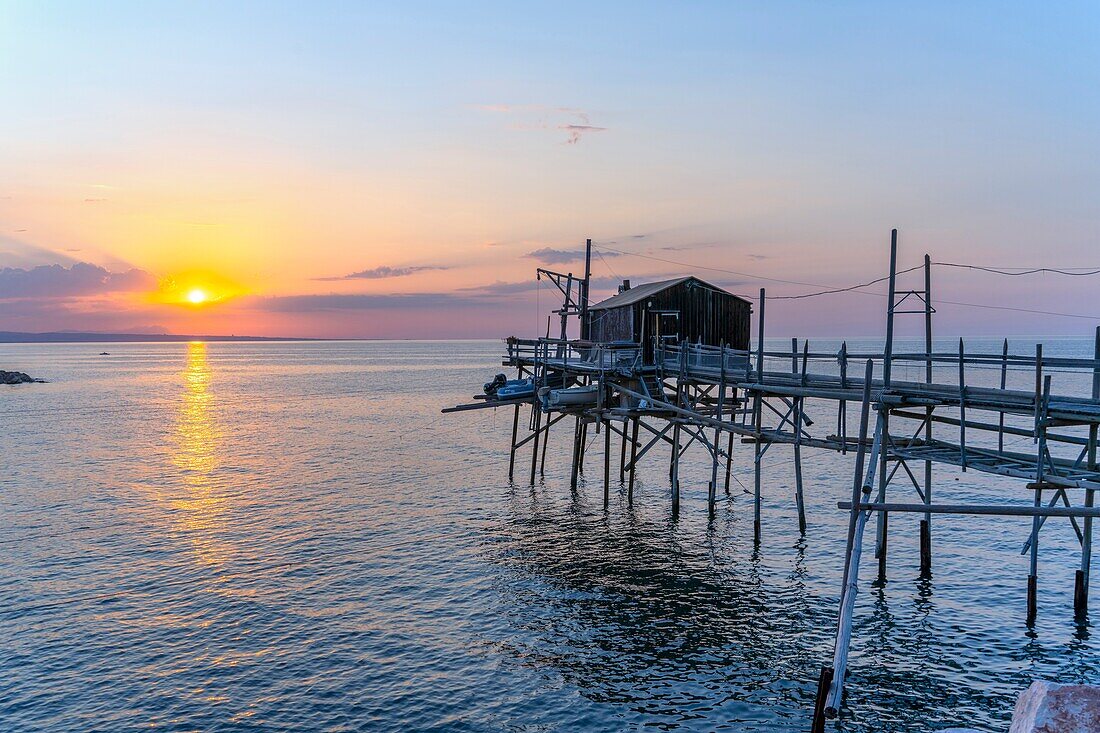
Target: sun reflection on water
(202, 503)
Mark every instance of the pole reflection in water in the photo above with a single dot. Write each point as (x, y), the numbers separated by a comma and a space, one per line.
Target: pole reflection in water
(200, 502)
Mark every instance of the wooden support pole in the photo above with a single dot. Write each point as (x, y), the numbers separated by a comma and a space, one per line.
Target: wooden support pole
(823, 681)
(883, 524)
(576, 455)
(1081, 581)
(512, 451)
(758, 410)
(712, 490)
(1033, 572)
(926, 523)
(622, 455)
(1038, 386)
(856, 523)
(675, 472)
(606, 463)
(545, 441)
(796, 410)
(538, 432)
(633, 459)
(884, 415)
(799, 499)
(842, 409)
(582, 446)
(962, 406)
(1004, 381)
(758, 456)
(729, 461)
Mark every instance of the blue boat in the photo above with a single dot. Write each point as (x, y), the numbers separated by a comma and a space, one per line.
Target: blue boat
(515, 389)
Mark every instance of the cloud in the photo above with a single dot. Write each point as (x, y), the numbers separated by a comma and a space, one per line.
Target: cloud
(362, 302)
(80, 279)
(577, 131)
(576, 123)
(552, 256)
(383, 271)
(501, 287)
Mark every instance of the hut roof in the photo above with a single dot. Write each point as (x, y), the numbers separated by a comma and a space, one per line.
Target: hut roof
(643, 291)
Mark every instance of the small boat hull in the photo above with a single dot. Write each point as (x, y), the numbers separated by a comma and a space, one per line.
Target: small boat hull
(516, 389)
(571, 397)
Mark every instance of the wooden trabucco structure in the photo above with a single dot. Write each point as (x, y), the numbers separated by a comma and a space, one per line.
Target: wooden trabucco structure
(711, 395)
(671, 311)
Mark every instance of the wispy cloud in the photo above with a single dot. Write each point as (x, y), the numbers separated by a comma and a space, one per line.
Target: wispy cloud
(383, 272)
(575, 123)
(361, 302)
(552, 256)
(577, 131)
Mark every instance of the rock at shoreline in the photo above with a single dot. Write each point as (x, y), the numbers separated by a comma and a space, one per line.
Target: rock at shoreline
(1046, 707)
(17, 378)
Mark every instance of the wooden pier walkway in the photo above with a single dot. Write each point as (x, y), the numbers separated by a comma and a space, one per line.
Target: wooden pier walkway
(681, 394)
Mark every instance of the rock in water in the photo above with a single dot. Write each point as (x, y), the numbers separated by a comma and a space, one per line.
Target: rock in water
(1047, 707)
(16, 378)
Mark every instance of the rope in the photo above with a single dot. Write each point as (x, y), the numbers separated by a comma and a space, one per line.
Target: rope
(1024, 271)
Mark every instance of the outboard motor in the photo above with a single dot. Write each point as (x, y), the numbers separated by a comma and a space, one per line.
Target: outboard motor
(498, 381)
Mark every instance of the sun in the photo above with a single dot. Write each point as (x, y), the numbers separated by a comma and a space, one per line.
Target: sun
(197, 296)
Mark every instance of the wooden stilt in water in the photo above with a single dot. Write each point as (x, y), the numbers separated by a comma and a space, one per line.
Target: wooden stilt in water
(799, 500)
(545, 441)
(729, 460)
(757, 418)
(1081, 581)
(622, 455)
(538, 434)
(583, 446)
(757, 458)
(861, 489)
(926, 523)
(633, 459)
(606, 463)
(823, 681)
(712, 490)
(884, 415)
(675, 471)
(512, 452)
(576, 454)
(1033, 572)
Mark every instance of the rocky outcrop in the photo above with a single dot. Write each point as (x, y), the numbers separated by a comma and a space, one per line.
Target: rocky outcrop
(17, 378)
(1046, 707)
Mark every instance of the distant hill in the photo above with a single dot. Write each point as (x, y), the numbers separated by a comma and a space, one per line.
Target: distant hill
(59, 337)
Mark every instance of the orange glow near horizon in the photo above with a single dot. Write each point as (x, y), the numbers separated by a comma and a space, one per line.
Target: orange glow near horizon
(196, 289)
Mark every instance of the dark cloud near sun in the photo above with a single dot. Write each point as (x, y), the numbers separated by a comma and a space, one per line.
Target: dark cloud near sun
(383, 272)
(79, 279)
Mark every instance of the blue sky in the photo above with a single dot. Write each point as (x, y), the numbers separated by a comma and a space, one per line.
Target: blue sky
(274, 150)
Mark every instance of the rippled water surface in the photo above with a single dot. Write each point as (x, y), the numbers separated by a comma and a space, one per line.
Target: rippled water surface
(291, 537)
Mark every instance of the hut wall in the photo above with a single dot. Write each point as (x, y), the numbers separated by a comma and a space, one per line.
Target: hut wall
(612, 324)
(706, 316)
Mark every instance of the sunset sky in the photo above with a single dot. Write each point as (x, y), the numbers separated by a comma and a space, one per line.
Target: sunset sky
(346, 170)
